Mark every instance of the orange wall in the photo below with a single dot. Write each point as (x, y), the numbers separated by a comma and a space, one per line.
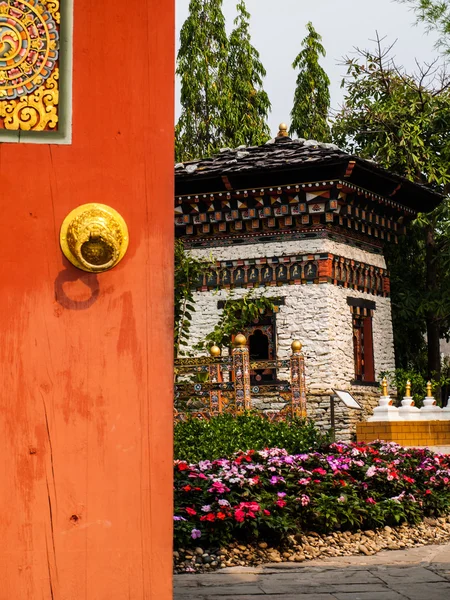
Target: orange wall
(85, 360)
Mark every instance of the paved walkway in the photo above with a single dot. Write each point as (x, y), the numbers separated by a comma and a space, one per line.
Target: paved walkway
(415, 574)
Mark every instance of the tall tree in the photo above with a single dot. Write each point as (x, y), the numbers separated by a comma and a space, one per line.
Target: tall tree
(202, 68)
(309, 115)
(249, 106)
(402, 121)
(436, 15)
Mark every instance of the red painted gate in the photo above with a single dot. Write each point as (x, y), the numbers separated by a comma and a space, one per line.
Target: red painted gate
(86, 358)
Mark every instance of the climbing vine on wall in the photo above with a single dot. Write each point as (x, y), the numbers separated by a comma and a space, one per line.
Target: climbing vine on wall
(237, 314)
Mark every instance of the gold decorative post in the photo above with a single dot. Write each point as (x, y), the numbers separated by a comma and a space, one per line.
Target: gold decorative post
(384, 388)
(215, 376)
(429, 390)
(298, 382)
(241, 369)
(408, 389)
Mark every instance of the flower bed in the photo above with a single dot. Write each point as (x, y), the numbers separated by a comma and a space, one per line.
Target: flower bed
(265, 495)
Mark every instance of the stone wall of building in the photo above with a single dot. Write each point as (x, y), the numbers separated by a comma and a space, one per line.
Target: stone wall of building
(319, 316)
(286, 248)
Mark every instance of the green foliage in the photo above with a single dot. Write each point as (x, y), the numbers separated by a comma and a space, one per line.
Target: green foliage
(402, 122)
(399, 377)
(236, 315)
(222, 436)
(309, 115)
(202, 68)
(187, 271)
(436, 15)
(249, 104)
(222, 98)
(399, 120)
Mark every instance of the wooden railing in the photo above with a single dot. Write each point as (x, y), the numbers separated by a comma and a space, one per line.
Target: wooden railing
(223, 384)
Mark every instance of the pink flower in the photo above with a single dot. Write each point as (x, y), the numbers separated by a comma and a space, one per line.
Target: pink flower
(218, 488)
(305, 500)
(195, 534)
(281, 503)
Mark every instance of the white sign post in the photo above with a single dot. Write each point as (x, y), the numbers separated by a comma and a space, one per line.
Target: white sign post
(349, 402)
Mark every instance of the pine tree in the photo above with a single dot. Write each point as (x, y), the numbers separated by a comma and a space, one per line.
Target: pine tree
(249, 105)
(312, 97)
(202, 66)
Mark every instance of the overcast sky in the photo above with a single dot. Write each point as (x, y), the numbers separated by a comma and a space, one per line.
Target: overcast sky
(278, 27)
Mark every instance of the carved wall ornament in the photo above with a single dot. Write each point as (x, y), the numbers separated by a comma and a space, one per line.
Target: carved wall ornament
(29, 45)
(94, 237)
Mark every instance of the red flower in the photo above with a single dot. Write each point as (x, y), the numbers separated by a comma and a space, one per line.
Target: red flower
(320, 471)
(281, 503)
(190, 511)
(186, 488)
(427, 492)
(266, 512)
(408, 479)
(221, 516)
(182, 466)
(239, 515)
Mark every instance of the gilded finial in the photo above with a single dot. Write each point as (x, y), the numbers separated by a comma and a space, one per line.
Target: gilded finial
(429, 390)
(296, 346)
(215, 351)
(408, 389)
(240, 340)
(283, 130)
(384, 387)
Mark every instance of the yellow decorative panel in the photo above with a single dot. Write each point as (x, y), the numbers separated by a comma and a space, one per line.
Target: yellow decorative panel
(29, 46)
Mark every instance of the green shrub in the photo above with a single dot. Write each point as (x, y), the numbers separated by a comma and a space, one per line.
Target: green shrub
(200, 439)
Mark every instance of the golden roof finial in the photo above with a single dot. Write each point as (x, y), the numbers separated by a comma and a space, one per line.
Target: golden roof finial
(429, 390)
(408, 389)
(283, 130)
(384, 387)
(240, 340)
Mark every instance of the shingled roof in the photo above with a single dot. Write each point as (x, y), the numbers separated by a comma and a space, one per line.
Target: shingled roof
(284, 160)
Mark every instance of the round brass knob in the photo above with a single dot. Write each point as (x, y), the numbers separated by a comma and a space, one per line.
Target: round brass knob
(296, 346)
(240, 340)
(94, 237)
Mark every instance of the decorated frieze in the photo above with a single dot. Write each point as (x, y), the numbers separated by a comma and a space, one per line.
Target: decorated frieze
(271, 211)
(29, 69)
(296, 270)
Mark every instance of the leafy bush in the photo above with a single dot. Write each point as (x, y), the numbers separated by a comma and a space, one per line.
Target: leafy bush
(267, 494)
(399, 377)
(222, 436)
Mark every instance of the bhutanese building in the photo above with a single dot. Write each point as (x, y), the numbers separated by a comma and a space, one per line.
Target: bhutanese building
(305, 224)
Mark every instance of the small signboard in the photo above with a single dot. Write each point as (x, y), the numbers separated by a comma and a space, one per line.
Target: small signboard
(347, 399)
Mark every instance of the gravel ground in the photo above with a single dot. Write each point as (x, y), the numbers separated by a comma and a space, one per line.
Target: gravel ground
(303, 547)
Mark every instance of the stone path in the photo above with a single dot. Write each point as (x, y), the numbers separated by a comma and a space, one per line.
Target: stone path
(421, 573)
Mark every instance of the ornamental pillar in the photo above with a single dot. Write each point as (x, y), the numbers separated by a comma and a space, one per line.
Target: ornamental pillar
(241, 370)
(298, 382)
(215, 376)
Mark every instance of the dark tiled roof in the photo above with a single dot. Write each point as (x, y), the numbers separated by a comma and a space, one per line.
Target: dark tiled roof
(286, 155)
(275, 154)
